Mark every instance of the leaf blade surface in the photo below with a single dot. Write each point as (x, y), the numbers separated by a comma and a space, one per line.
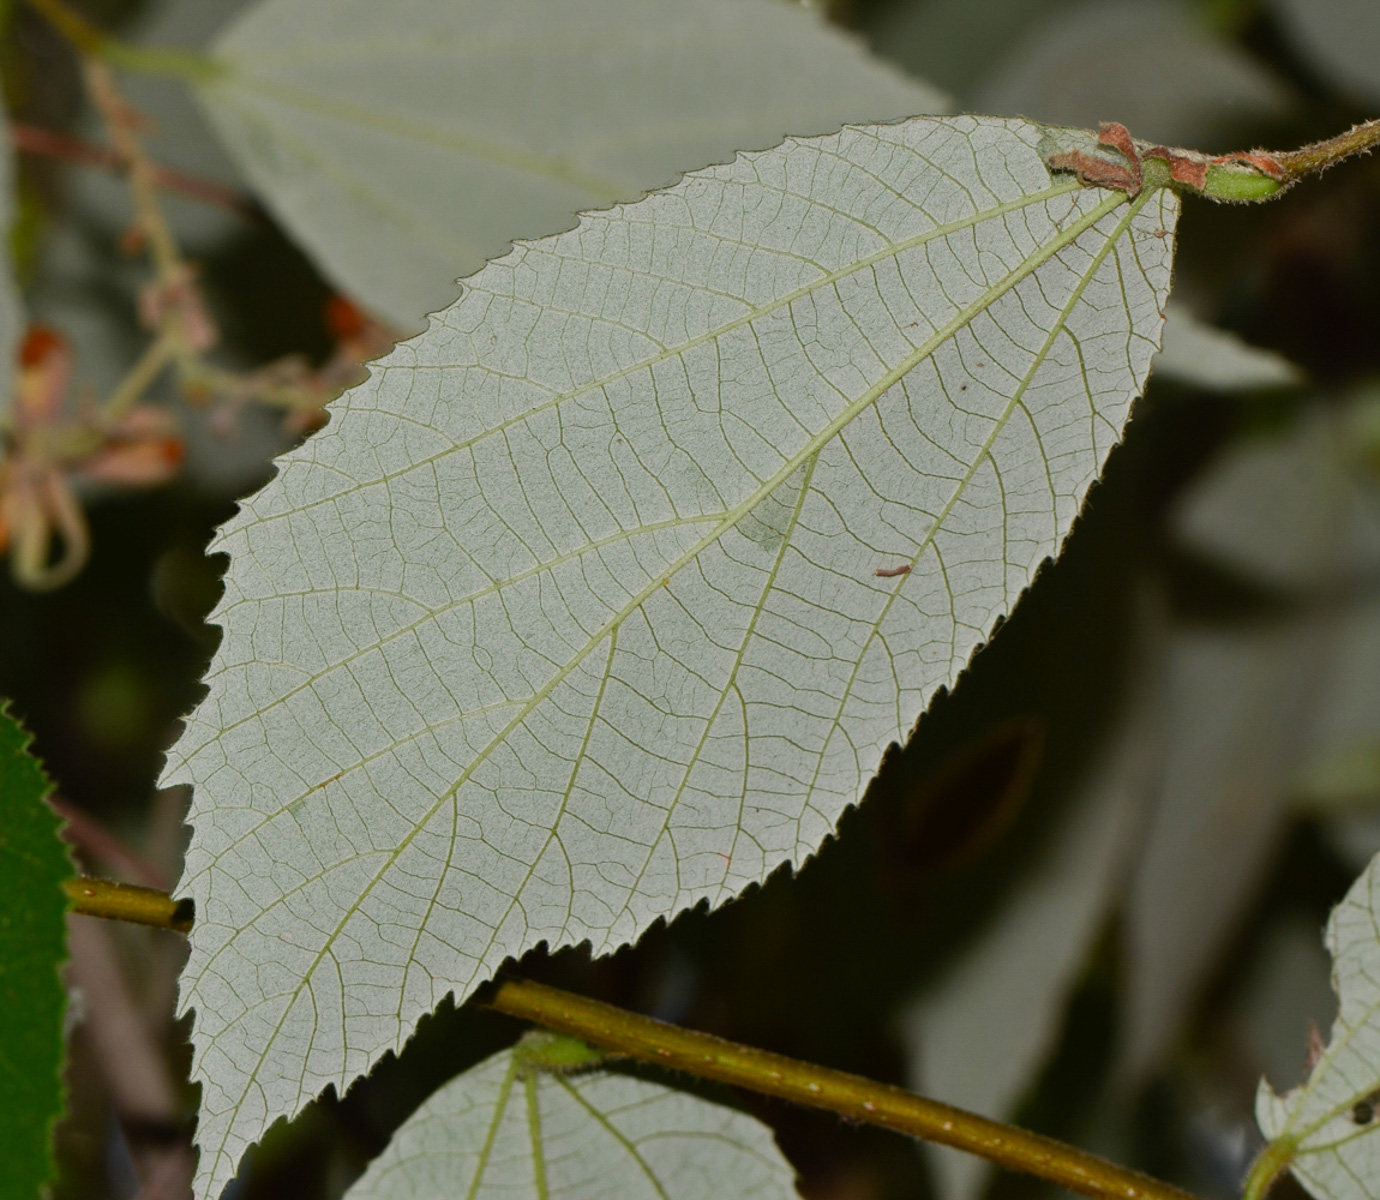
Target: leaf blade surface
(606, 596)
(506, 1128)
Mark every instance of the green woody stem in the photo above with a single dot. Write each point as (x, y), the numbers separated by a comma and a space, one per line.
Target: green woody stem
(711, 1057)
(126, 902)
(851, 1096)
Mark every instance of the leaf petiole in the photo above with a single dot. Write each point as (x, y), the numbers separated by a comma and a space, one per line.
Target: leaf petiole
(1269, 1165)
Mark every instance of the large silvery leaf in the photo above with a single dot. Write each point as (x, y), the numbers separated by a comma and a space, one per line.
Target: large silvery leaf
(605, 596)
(405, 143)
(511, 1128)
(1325, 1129)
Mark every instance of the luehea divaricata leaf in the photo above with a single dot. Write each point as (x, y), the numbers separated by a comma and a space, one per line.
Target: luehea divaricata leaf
(508, 1128)
(1325, 1129)
(605, 596)
(405, 143)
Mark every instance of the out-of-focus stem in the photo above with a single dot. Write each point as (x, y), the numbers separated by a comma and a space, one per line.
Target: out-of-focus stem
(95, 43)
(147, 367)
(72, 25)
(48, 143)
(96, 841)
(120, 123)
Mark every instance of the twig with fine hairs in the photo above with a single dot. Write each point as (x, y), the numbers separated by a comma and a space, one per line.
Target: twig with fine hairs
(710, 1057)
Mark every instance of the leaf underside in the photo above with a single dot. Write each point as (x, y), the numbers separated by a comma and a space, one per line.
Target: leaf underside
(1332, 1118)
(33, 947)
(572, 617)
(506, 1129)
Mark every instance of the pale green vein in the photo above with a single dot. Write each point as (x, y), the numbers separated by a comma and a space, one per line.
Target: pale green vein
(729, 686)
(534, 1129)
(729, 521)
(426, 133)
(811, 448)
(616, 1133)
(586, 512)
(500, 1106)
(764, 489)
(985, 452)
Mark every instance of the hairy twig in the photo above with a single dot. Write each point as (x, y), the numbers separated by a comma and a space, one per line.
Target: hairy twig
(710, 1057)
(851, 1096)
(128, 902)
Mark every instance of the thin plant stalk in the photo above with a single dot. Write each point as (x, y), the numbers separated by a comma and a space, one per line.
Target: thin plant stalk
(710, 1057)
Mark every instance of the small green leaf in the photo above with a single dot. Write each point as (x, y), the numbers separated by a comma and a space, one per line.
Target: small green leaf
(33, 946)
(558, 1052)
(513, 1128)
(1234, 182)
(605, 596)
(1325, 1130)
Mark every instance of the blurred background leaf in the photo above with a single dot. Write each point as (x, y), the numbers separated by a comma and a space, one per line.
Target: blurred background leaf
(406, 145)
